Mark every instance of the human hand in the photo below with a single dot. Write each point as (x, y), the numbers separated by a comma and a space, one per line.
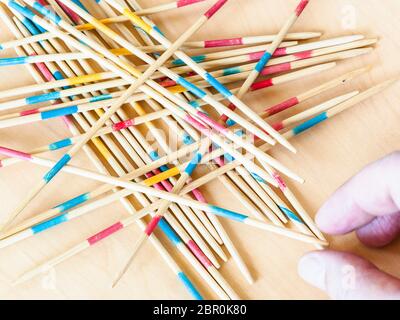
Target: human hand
(369, 204)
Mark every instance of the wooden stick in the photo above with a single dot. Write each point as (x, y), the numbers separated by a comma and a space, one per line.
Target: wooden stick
(67, 157)
(162, 100)
(181, 55)
(293, 101)
(171, 263)
(279, 60)
(228, 243)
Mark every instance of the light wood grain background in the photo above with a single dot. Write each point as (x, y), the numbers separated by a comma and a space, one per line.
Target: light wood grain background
(328, 155)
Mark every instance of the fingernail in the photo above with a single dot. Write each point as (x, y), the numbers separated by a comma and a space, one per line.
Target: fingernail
(312, 269)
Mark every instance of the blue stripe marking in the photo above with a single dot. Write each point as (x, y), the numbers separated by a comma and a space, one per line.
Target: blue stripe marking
(154, 156)
(263, 62)
(229, 71)
(57, 167)
(290, 214)
(59, 76)
(60, 144)
(158, 30)
(46, 12)
(191, 87)
(193, 163)
(310, 123)
(1, 47)
(43, 97)
(171, 234)
(228, 157)
(194, 104)
(72, 202)
(78, 3)
(49, 224)
(30, 26)
(189, 285)
(13, 61)
(198, 59)
(101, 97)
(218, 86)
(187, 139)
(59, 112)
(230, 122)
(21, 9)
(40, 28)
(227, 213)
(257, 177)
(239, 133)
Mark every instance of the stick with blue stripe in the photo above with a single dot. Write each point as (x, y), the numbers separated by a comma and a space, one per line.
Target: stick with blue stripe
(84, 197)
(161, 99)
(67, 157)
(314, 121)
(153, 31)
(185, 176)
(174, 77)
(166, 184)
(271, 49)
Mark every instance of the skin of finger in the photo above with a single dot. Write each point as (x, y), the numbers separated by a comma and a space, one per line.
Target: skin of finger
(381, 231)
(375, 191)
(346, 276)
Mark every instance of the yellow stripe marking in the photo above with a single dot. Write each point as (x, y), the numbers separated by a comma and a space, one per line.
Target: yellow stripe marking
(162, 176)
(85, 78)
(102, 148)
(120, 51)
(137, 20)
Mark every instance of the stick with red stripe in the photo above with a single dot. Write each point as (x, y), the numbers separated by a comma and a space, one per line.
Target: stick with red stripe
(275, 44)
(293, 101)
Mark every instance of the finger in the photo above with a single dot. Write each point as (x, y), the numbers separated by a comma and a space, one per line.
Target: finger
(381, 231)
(347, 276)
(375, 191)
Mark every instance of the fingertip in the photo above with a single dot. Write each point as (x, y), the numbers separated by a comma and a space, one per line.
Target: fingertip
(380, 232)
(311, 269)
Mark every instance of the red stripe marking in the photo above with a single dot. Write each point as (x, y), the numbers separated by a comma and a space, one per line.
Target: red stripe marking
(280, 52)
(168, 83)
(158, 186)
(199, 196)
(15, 154)
(74, 17)
(123, 124)
(213, 10)
(255, 56)
(183, 3)
(262, 84)
(302, 5)
(277, 68)
(165, 183)
(219, 161)
(152, 225)
(278, 126)
(282, 106)
(199, 254)
(304, 55)
(28, 112)
(224, 117)
(44, 70)
(211, 122)
(223, 43)
(281, 183)
(105, 233)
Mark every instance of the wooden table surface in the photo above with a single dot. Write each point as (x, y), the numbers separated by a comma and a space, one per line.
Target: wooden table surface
(327, 156)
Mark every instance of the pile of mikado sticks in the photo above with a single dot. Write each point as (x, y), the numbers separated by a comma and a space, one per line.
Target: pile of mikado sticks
(111, 79)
